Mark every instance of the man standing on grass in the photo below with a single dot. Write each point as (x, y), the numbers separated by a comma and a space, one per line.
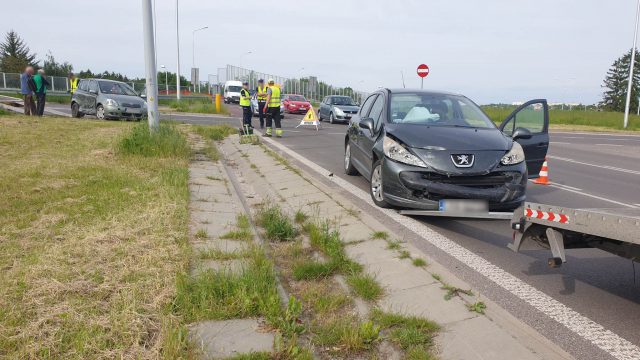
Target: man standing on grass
(41, 83)
(27, 92)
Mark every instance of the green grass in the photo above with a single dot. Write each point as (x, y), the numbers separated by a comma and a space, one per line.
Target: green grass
(478, 307)
(300, 217)
(276, 224)
(404, 254)
(166, 141)
(412, 334)
(394, 245)
(575, 117)
(199, 105)
(346, 334)
(91, 242)
(201, 234)
(4, 112)
(365, 286)
(224, 295)
(51, 98)
(215, 132)
(382, 235)
(312, 270)
(454, 291)
(419, 262)
(328, 241)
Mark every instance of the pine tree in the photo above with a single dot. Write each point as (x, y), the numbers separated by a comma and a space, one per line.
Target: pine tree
(15, 54)
(616, 82)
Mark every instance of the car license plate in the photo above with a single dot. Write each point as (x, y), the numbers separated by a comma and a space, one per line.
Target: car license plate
(460, 206)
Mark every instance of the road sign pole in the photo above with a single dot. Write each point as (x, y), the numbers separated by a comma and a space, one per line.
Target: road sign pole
(177, 53)
(150, 65)
(633, 60)
(421, 83)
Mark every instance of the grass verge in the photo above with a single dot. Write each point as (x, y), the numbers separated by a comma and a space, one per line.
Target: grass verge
(92, 236)
(196, 105)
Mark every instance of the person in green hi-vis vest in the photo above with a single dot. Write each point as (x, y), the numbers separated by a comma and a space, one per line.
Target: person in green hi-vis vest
(41, 83)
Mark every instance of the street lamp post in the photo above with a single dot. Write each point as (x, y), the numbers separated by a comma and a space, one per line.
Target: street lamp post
(166, 79)
(178, 54)
(633, 60)
(193, 39)
(150, 65)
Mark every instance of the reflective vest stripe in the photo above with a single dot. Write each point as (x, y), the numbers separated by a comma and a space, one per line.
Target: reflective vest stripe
(275, 97)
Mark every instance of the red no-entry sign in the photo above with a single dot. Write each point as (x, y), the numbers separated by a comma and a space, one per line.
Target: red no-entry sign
(423, 70)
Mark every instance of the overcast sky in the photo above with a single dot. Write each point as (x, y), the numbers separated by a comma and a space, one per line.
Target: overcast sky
(491, 50)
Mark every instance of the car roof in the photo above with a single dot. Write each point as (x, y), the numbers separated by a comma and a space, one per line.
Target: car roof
(98, 79)
(421, 91)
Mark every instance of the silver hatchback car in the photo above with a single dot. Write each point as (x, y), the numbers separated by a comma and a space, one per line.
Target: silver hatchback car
(107, 99)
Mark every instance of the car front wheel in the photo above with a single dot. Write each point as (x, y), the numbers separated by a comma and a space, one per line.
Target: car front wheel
(349, 169)
(376, 186)
(75, 111)
(100, 112)
(331, 119)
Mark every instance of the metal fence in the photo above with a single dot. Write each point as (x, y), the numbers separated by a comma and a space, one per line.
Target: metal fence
(11, 81)
(309, 87)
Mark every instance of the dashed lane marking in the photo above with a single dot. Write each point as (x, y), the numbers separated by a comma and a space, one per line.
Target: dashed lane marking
(581, 325)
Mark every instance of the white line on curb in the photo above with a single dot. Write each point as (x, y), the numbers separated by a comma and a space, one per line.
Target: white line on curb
(586, 328)
(595, 165)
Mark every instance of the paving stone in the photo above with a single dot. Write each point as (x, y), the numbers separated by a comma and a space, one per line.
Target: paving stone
(426, 301)
(215, 189)
(221, 339)
(354, 231)
(234, 266)
(224, 204)
(208, 217)
(297, 191)
(370, 252)
(460, 341)
(226, 245)
(397, 274)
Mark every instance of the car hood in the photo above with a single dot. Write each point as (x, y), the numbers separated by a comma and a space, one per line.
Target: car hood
(124, 99)
(347, 107)
(299, 103)
(436, 145)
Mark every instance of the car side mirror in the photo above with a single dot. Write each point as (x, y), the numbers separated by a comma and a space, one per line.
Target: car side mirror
(521, 133)
(366, 123)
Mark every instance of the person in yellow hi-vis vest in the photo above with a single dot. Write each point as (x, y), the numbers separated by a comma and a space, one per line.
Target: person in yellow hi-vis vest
(261, 95)
(245, 103)
(73, 83)
(272, 108)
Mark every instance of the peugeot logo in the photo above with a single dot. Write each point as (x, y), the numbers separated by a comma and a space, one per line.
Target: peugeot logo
(462, 160)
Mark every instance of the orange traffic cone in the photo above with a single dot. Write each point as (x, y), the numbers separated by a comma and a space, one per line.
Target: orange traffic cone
(544, 174)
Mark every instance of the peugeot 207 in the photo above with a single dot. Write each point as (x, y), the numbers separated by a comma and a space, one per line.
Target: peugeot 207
(432, 150)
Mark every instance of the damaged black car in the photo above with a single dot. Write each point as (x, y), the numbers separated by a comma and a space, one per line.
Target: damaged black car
(432, 150)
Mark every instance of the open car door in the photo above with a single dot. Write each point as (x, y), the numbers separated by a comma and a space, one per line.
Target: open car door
(529, 126)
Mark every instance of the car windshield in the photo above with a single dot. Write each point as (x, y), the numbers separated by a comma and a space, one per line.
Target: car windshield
(116, 88)
(342, 100)
(234, 88)
(437, 110)
(297, 98)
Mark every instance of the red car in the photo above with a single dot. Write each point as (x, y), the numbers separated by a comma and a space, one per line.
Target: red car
(295, 103)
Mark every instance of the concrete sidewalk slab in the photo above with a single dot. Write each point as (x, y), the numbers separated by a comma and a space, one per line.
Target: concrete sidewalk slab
(232, 267)
(223, 339)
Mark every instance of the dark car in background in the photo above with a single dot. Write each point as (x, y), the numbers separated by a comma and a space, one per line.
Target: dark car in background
(107, 99)
(433, 150)
(336, 108)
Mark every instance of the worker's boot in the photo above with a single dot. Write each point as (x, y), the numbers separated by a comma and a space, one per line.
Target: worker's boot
(268, 132)
(279, 132)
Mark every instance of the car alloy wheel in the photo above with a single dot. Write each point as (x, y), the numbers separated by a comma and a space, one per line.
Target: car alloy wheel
(349, 169)
(100, 112)
(376, 186)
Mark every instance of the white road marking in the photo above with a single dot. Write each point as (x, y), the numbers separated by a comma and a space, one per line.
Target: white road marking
(571, 137)
(559, 142)
(628, 171)
(595, 134)
(609, 145)
(579, 191)
(569, 187)
(588, 329)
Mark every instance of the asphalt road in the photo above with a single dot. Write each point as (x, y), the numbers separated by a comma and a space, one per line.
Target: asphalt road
(588, 170)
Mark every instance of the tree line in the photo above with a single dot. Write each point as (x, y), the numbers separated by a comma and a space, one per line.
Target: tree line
(15, 56)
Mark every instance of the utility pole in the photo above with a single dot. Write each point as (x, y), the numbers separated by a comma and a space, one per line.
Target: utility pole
(177, 53)
(633, 60)
(150, 65)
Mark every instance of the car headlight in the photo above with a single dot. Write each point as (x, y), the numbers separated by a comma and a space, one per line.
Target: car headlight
(111, 102)
(338, 112)
(514, 156)
(397, 152)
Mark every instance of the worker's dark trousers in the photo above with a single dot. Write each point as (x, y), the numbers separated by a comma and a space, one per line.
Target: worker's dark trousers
(29, 105)
(261, 105)
(273, 115)
(246, 116)
(41, 100)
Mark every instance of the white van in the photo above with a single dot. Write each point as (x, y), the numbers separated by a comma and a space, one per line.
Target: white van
(232, 91)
